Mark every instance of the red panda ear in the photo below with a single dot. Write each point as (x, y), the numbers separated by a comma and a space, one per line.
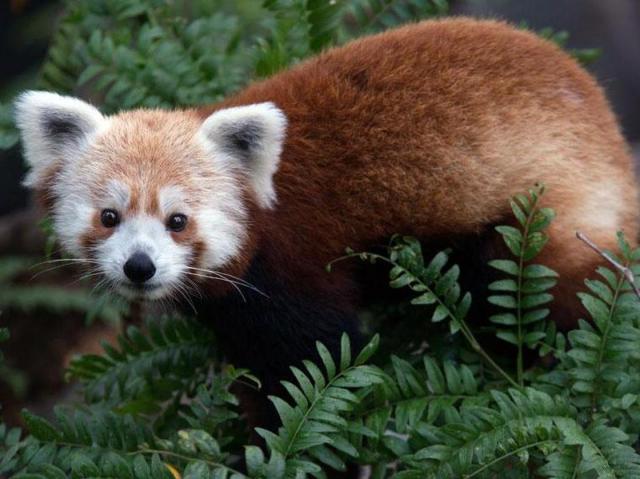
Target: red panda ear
(53, 128)
(250, 137)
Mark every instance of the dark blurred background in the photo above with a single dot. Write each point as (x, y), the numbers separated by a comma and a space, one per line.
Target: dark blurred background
(39, 350)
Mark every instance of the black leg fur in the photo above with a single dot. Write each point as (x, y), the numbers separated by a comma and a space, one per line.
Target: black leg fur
(268, 334)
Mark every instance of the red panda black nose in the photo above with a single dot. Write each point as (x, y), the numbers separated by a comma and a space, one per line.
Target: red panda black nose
(139, 267)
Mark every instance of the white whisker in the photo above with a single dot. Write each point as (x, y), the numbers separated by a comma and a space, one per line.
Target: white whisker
(212, 274)
(225, 280)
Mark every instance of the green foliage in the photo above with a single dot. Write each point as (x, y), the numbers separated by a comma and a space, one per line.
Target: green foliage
(8, 133)
(586, 56)
(527, 285)
(314, 430)
(371, 16)
(19, 296)
(599, 359)
(146, 369)
(16, 295)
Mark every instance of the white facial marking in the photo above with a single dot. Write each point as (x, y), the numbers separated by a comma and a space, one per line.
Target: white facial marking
(223, 231)
(172, 199)
(116, 195)
(147, 235)
(249, 138)
(72, 217)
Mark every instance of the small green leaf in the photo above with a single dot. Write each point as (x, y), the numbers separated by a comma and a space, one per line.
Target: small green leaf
(508, 285)
(533, 300)
(425, 298)
(368, 351)
(504, 301)
(345, 352)
(518, 212)
(532, 338)
(507, 336)
(39, 427)
(327, 359)
(534, 315)
(440, 313)
(435, 376)
(541, 219)
(254, 458)
(507, 319)
(505, 265)
(538, 271)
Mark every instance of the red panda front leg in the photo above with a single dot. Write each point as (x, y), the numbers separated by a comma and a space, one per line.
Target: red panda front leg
(268, 334)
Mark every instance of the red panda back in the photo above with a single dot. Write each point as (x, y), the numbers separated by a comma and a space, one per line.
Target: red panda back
(430, 128)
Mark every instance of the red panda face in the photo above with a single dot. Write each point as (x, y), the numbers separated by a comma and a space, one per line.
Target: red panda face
(156, 201)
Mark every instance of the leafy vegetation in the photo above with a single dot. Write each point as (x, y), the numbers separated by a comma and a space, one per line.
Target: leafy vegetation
(162, 403)
(20, 296)
(25, 297)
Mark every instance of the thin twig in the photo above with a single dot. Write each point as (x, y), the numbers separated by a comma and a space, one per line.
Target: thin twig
(628, 274)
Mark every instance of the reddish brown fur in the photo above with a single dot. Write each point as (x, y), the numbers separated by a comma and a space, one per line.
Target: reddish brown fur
(428, 130)
(97, 233)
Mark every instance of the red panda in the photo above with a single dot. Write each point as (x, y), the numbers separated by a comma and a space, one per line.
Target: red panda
(426, 130)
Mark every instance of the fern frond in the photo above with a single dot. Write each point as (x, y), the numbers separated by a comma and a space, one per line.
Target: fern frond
(146, 370)
(215, 410)
(603, 360)
(324, 17)
(290, 39)
(10, 442)
(57, 300)
(368, 16)
(527, 285)
(314, 425)
(83, 443)
(437, 285)
(603, 450)
(12, 266)
(586, 56)
(512, 421)
(93, 442)
(412, 395)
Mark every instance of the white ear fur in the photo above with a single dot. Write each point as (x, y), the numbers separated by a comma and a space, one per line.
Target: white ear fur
(53, 127)
(251, 137)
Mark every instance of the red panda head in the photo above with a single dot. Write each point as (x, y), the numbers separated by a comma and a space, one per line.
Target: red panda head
(152, 198)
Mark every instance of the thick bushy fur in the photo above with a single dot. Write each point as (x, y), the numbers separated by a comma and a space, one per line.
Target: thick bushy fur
(429, 130)
(425, 130)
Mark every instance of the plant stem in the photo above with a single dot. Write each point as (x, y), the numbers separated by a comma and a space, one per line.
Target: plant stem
(466, 331)
(480, 350)
(505, 456)
(523, 248)
(188, 458)
(624, 270)
(625, 273)
(605, 338)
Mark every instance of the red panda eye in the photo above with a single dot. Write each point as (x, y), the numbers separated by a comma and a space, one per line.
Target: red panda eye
(177, 222)
(109, 218)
